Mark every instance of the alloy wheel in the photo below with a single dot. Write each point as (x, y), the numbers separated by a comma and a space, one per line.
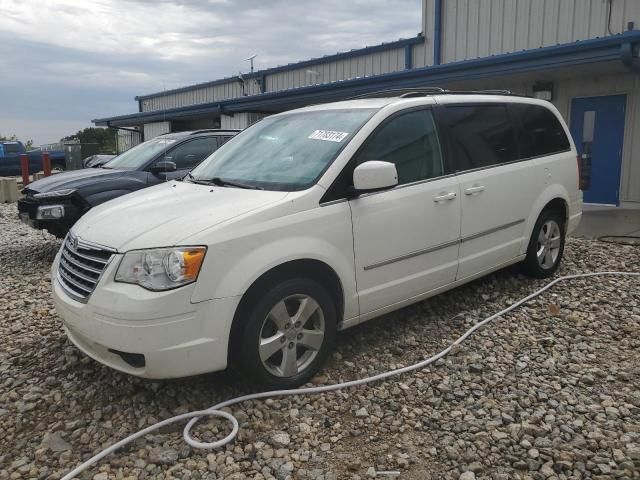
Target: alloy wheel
(548, 246)
(291, 335)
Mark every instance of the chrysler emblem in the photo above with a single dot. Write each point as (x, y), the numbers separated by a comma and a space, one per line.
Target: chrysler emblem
(75, 243)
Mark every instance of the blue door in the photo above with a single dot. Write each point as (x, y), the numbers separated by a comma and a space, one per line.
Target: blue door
(597, 127)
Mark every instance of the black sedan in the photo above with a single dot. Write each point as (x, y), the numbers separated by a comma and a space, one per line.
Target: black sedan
(55, 203)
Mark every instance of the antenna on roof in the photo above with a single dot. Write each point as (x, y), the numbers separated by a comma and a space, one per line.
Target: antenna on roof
(250, 59)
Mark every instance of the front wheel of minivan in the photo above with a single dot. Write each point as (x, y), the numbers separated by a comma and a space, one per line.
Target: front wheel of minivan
(546, 245)
(288, 334)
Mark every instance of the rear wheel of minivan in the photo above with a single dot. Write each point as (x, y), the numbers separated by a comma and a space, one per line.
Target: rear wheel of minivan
(287, 335)
(546, 245)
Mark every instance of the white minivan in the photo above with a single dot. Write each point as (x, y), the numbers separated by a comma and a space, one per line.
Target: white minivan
(312, 221)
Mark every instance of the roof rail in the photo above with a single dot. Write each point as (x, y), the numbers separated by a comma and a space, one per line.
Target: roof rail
(490, 92)
(424, 91)
(401, 92)
(214, 130)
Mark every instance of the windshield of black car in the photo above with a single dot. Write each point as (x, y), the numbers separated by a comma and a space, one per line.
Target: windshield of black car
(140, 155)
(285, 152)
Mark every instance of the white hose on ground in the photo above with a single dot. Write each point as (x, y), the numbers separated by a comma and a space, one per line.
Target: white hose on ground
(216, 412)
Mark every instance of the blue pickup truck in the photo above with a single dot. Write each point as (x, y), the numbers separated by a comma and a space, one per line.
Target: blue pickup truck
(10, 152)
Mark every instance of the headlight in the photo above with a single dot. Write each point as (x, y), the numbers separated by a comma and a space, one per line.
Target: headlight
(56, 193)
(161, 268)
(50, 212)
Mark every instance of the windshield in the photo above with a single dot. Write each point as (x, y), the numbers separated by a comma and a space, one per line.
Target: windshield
(286, 152)
(139, 155)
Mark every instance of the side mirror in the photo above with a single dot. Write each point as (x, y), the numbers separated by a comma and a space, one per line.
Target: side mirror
(163, 166)
(374, 175)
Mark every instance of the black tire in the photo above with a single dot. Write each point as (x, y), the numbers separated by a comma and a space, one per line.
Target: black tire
(257, 320)
(532, 264)
(58, 166)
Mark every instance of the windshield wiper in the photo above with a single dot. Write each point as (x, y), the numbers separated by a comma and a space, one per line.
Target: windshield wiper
(193, 179)
(229, 183)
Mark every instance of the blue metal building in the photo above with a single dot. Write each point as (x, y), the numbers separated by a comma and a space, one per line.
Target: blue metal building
(580, 54)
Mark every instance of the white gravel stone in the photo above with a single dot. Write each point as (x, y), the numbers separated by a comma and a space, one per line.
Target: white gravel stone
(362, 412)
(544, 392)
(280, 439)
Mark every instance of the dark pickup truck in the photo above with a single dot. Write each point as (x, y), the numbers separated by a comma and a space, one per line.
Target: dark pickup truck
(10, 152)
(55, 203)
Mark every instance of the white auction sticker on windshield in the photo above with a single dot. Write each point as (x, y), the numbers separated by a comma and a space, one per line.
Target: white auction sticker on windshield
(328, 135)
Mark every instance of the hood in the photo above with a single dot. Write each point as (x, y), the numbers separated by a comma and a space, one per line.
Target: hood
(163, 215)
(75, 179)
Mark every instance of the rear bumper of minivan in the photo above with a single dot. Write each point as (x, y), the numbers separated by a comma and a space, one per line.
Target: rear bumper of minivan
(575, 215)
(574, 221)
(179, 340)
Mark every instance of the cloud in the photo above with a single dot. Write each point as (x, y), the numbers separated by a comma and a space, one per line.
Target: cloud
(68, 61)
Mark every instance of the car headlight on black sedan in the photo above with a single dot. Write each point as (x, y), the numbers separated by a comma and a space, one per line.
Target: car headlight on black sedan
(50, 212)
(160, 269)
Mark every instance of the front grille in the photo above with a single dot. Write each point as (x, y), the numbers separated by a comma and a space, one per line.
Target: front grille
(81, 266)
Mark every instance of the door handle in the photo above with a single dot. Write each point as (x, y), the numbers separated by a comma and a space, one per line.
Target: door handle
(443, 197)
(474, 189)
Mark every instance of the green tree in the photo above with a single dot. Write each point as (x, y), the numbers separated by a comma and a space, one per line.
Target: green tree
(13, 138)
(104, 137)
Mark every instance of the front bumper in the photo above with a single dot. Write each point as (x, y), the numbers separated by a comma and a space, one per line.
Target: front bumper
(28, 211)
(147, 334)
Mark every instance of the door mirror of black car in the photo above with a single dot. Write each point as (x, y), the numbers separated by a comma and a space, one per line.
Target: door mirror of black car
(163, 166)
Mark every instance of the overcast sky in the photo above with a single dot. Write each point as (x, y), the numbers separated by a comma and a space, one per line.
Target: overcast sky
(65, 62)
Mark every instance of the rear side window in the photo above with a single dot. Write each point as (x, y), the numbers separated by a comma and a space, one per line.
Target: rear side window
(483, 135)
(542, 132)
(410, 141)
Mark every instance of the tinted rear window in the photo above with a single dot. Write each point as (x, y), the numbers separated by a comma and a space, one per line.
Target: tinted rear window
(542, 132)
(483, 135)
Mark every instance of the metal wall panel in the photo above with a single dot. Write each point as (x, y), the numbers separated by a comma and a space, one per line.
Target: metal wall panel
(631, 162)
(361, 66)
(423, 53)
(152, 130)
(223, 91)
(479, 28)
(240, 120)
(127, 139)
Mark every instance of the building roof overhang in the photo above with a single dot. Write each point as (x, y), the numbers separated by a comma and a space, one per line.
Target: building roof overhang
(622, 47)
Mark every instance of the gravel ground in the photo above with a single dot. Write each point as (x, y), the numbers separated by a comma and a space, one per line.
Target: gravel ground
(549, 391)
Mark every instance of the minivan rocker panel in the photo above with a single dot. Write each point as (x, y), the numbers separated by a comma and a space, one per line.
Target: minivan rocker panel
(269, 248)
